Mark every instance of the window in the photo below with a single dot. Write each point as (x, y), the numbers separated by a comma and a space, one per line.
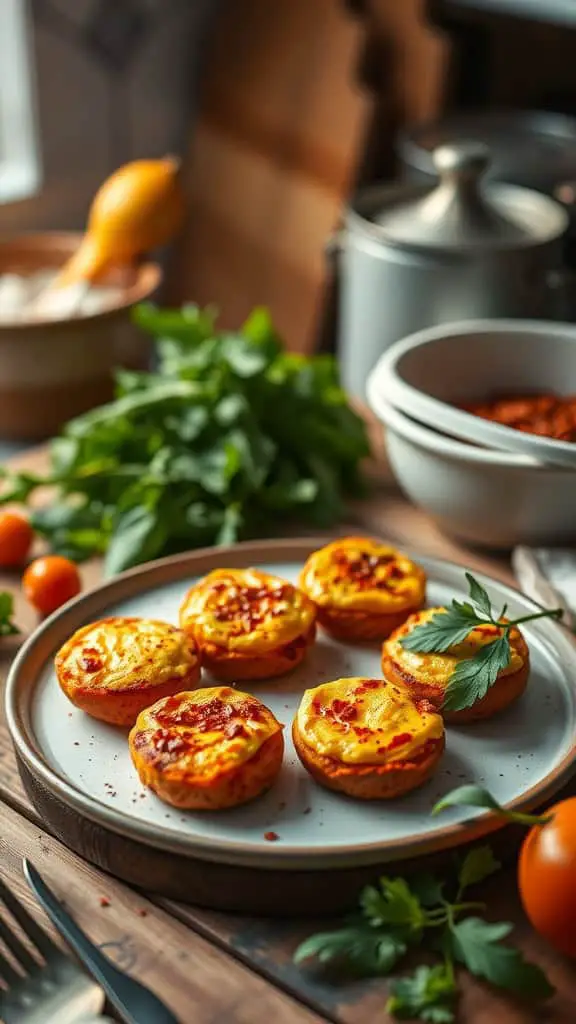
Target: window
(20, 170)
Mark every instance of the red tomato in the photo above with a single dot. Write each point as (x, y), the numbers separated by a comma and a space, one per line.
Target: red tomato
(16, 536)
(51, 581)
(547, 877)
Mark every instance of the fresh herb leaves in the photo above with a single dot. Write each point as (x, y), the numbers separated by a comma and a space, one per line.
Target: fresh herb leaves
(393, 903)
(428, 994)
(473, 676)
(478, 946)
(477, 796)
(363, 951)
(440, 632)
(478, 865)
(399, 914)
(230, 437)
(7, 626)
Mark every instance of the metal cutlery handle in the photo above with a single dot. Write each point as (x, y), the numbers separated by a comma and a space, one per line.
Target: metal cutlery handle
(133, 1001)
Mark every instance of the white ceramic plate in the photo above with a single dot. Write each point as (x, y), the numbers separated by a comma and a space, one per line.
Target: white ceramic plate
(523, 755)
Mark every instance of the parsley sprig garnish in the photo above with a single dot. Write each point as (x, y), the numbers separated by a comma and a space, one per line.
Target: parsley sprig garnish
(472, 677)
(398, 915)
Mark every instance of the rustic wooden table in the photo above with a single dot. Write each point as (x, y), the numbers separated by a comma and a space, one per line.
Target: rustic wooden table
(214, 968)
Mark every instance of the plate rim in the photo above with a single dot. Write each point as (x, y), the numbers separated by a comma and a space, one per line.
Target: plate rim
(93, 602)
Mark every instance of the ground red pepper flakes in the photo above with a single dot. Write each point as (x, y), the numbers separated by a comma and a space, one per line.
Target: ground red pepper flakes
(551, 416)
(399, 740)
(341, 711)
(104, 901)
(214, 715)
(368, 684)
(142, 913)
(271, 836)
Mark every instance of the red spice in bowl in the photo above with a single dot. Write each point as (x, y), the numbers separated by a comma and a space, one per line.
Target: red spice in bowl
(551, 416)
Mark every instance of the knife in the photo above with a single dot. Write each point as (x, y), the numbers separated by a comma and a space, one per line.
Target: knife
(135, 1003)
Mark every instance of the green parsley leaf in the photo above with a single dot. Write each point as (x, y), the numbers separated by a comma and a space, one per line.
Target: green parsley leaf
(394, 904)
(478, 864)
(477, 945)
(365, 951)
(465, 608)
(479, 596)
(477, 796)
(7, 626)
(427, 889)
(440, 632)
(231, 523)
(429, 994)
(138, 532)
(467, 796)
(243, 357)
(473, 677)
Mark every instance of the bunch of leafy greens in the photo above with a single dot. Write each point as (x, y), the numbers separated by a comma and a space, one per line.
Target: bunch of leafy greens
(7, 626)
(398, 915)
(473, 676)
(228, 438)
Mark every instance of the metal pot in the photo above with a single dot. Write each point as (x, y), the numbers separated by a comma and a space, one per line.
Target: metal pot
(412, 258)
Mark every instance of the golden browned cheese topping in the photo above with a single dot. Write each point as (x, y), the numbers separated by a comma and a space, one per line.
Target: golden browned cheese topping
(360, 574)
(204, 732)
(125, 653)
(366, 721)
(246, 610)
(434, 670)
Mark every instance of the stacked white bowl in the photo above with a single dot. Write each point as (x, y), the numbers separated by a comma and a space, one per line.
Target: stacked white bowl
(483, 483)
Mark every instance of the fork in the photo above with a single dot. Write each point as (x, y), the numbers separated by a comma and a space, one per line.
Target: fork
(45, 988)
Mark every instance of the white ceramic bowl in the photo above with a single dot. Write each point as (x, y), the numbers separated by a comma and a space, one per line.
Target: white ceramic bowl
(428, 374)
(493, 499)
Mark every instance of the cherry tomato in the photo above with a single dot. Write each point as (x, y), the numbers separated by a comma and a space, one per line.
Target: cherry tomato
(547, 877)
(51, 581)
(16, 536)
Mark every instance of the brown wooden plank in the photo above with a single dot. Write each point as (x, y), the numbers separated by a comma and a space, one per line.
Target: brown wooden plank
(198, 981)
(274, 154)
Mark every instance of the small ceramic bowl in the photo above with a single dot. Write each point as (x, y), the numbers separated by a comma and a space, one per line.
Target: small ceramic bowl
(52, 370)
(428, 374)
(489, 498)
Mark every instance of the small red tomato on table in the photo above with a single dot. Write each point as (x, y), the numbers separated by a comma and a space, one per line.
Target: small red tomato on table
(50, 581)
(547, 876)
(16, 536)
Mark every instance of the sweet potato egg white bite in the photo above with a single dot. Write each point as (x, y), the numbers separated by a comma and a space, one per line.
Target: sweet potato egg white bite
(200, 746)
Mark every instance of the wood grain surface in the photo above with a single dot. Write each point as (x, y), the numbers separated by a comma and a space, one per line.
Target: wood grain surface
(200, 982)
(181, 959)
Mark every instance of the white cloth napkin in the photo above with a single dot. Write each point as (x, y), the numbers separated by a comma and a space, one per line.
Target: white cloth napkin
(548, 576)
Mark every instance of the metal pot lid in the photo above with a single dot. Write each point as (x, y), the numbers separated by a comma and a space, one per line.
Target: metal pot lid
(460, 213)
(536, 149)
